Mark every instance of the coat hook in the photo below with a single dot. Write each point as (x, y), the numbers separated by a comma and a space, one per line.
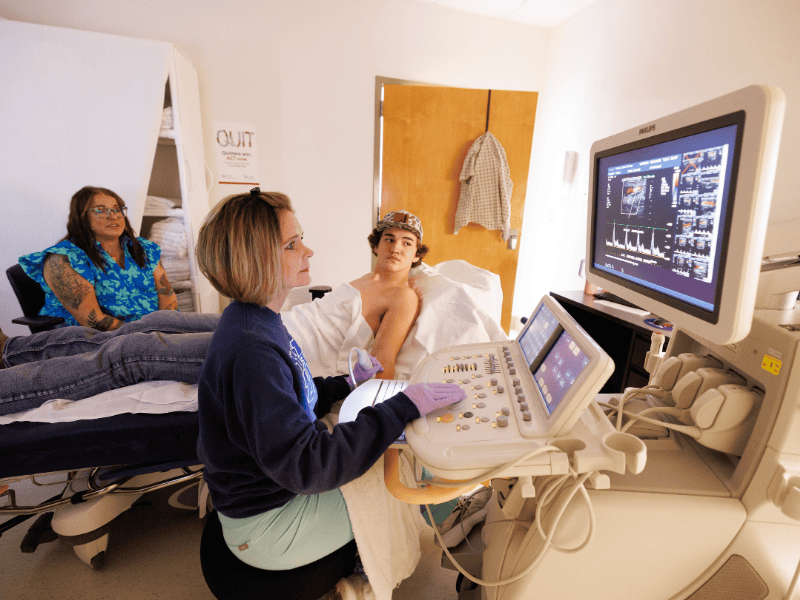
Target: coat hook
(488, 104)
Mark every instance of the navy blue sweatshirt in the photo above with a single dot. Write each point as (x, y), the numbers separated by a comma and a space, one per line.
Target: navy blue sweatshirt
(259, 440)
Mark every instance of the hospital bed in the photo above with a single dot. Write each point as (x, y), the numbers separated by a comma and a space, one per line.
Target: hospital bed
(100, 454)
(140, 453)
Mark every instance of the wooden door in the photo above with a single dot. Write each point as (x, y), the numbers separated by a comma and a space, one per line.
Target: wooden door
(427, 132)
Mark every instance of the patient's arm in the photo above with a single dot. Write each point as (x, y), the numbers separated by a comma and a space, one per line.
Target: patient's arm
(393, 330)
(76, 294)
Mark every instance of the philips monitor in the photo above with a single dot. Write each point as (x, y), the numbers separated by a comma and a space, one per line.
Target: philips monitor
(678, 211)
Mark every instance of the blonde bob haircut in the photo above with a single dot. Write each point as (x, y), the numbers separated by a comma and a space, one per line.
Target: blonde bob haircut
(239, 246)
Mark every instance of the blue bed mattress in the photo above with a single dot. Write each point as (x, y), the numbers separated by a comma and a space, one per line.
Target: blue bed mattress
(127, 439)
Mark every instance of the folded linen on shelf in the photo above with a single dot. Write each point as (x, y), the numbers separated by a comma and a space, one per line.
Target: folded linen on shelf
(170, 235)
(167, 118)
(185, 301)
(154, 203)
(177, 268)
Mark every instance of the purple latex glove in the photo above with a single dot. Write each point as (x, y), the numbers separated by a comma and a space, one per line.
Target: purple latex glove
(361, 374)
(427, 397)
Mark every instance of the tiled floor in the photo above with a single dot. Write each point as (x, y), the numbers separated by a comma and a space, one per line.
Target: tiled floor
(153, 554)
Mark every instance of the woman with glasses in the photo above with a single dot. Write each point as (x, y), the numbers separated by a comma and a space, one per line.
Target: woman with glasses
(100, 274)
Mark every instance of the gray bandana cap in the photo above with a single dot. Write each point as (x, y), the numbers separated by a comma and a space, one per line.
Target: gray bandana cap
(402, 219)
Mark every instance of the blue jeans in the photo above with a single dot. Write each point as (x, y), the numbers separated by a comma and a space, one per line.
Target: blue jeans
(78, 362)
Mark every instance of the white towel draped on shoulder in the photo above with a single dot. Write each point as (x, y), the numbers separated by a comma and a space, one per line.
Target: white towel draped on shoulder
(327, 328)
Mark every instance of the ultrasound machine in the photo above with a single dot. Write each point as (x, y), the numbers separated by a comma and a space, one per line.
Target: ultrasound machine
(690, 486)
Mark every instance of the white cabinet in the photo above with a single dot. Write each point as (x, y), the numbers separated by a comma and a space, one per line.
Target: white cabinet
(177, 198)
(82, 108)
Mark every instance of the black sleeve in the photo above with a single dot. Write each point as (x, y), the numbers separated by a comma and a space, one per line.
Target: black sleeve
(329, 390)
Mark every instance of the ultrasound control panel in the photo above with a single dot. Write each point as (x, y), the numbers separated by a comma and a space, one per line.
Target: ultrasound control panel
(520, 394)
(496, 396)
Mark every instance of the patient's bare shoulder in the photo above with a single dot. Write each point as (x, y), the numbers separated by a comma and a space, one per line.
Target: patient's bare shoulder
(379, 297)
(362, 282)
(407, 300)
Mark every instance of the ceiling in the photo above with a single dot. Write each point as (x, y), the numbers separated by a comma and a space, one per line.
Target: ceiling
(538, 13)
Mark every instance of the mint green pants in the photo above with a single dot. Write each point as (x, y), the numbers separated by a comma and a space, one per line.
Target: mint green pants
(296, 534)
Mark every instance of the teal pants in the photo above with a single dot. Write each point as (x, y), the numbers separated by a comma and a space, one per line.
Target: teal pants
(296, 534)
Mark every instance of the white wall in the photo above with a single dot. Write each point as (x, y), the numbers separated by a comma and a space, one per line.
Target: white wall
(304, 73)
(621, 63)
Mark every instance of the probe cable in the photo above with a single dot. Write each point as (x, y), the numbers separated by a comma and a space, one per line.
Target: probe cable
(494, 473)
(629, 395)
(551, 487)
(690, 430)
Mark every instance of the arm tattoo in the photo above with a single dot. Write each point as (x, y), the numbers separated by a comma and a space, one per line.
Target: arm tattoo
(167, 300)
(104, 323)
(66, 283)
(163, 288)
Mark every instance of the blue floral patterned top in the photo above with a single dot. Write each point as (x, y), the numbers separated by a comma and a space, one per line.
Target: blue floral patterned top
(126, 294)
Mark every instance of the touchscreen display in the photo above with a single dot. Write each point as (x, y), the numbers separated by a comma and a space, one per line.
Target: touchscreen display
(559, 370)
(536, 336)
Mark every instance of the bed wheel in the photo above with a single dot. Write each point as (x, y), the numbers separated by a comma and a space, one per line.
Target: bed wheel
(98, 560)
(93, 553)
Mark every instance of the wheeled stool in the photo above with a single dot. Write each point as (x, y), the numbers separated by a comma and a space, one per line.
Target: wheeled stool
(229, 578)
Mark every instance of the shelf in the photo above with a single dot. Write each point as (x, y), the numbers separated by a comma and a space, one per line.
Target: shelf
(163, 212)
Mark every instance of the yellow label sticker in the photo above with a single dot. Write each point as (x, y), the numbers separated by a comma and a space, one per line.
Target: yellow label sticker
(771, 364)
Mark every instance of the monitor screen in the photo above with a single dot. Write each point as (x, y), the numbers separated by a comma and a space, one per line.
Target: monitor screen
(679, 207)
(662, 212)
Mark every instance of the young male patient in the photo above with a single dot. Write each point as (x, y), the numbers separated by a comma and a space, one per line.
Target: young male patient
(388, 303)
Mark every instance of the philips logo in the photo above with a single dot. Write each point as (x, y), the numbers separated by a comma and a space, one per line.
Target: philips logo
(644, 130)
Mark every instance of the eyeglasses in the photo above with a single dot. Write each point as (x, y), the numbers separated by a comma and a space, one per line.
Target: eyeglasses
(117, 211)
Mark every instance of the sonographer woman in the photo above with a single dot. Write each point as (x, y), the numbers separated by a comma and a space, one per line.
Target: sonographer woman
(272, 469)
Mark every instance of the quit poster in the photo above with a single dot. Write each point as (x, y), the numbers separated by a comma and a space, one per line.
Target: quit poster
(236, 147)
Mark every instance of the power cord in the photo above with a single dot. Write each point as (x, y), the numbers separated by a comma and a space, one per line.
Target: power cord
(552, 489)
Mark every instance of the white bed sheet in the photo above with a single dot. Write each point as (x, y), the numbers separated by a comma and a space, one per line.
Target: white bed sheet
(461, 304)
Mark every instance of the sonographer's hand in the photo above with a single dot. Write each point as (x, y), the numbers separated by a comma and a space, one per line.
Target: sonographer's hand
(427, 397)
(361, 374)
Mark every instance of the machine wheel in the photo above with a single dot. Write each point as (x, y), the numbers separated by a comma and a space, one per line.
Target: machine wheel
(98, 560)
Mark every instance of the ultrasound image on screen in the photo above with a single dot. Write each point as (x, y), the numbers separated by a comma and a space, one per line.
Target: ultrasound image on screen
(559, 370)
(660, 212)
